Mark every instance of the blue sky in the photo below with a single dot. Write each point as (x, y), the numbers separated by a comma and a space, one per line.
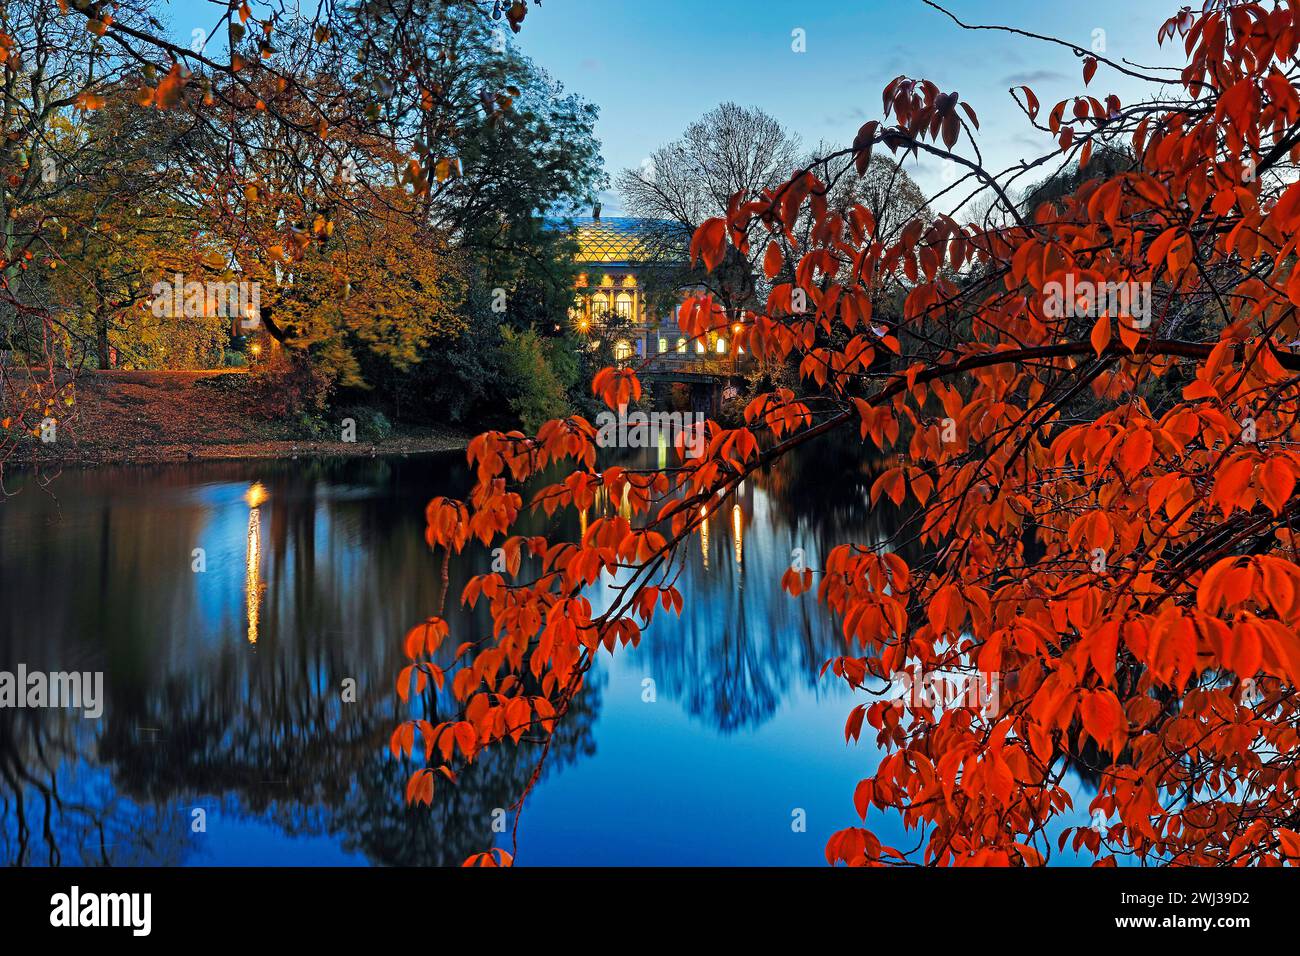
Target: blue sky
(653, 66)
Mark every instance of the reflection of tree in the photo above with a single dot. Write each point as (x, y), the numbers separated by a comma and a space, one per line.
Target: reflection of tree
(100, 577)
(57, 809)
(841, 470)
(747, 680)
(195, 716)
(742, 644)
(264, 748)
(375, 822)
(260, 740)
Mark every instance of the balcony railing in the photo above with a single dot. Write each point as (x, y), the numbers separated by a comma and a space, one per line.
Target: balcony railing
(643, 339)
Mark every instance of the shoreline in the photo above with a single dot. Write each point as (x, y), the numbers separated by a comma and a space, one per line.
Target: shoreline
(279, 449)
(169, 417)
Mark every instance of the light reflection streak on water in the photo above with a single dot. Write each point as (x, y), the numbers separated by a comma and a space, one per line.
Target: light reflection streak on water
(253, 560)
(738, 532)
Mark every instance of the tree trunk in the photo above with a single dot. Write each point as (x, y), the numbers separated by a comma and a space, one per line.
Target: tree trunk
(101, 341)
(271, 326)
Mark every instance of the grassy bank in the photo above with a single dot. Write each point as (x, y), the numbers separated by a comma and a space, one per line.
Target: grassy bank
(195, 416)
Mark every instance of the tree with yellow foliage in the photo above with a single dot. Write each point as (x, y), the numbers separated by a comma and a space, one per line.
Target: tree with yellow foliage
(106, 244)
(372, 293)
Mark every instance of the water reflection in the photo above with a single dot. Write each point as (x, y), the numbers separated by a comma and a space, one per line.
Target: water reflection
(223, 686)
(253, 561)
(738, 534)
(704, 538)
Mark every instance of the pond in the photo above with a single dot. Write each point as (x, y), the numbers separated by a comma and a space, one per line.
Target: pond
(231, 605)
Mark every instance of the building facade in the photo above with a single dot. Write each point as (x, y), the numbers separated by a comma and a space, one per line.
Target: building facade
(630, 291)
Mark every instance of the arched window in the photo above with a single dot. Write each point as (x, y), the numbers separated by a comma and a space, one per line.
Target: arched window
(622, 350)
(623, 306)
(722, 345)
(699, 346)
(681, 346)
(599, 305)
(663, 345)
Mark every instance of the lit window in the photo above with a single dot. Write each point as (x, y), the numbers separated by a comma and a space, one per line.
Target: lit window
(663, 346)
(623, 306)
(722, 346)
(622, 350)
(699, 346)
(681, 346)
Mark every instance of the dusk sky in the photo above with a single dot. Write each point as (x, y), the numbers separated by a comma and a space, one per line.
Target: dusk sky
(653, 67)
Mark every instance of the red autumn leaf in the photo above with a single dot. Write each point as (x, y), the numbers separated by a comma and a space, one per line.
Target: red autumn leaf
(1103, 718)
(709, 243)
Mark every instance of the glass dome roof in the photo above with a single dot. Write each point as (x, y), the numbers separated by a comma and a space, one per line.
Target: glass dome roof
(625, 240)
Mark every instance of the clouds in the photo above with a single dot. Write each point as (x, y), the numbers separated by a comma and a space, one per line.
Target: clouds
(847, 120)
(1030, 77)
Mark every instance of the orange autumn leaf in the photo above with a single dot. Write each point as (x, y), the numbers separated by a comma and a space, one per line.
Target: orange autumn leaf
(1103, 718)
(1100, 337)
(773, 260)
(709, 243)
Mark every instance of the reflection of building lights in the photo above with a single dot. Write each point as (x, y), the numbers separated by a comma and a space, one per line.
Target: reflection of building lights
(738, 532)
(253, 573)
(704, 540)
(255, 495)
